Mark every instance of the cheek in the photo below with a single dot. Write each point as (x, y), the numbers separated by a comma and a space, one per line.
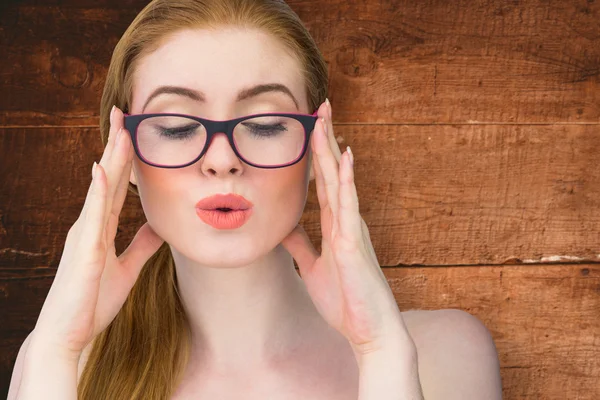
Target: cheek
(167, 201)
(285, 195)
(158, 196)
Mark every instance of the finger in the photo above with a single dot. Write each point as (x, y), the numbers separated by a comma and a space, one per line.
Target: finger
(92, 234)
(88, 200)
(331, 134)
(329, 168)
(320, 183)
(119, 198)
(349, 215)
(74, 235)
(323, 112)
(298, 244)
(107, 149)
(111, 135)
(122, 186)
(329, 224)
(326, 215)
(116, 162)
(145, 243)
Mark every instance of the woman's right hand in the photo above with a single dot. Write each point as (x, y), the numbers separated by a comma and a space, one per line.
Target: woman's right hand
(92, 283)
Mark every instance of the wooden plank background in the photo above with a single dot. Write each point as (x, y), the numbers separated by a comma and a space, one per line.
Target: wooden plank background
(475, 127)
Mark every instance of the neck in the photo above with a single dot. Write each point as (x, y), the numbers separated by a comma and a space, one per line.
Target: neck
(247, 316)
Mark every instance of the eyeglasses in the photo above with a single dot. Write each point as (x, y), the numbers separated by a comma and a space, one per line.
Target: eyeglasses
(271, 140)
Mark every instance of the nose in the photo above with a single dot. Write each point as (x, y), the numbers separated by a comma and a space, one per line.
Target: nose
(220, 159)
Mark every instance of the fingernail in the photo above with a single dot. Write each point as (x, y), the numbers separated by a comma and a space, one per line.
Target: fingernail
(112, 111)
(94, 170)
(351, 155)
(328, 107)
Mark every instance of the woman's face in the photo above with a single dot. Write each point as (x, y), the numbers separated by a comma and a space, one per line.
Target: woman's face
(219, 64)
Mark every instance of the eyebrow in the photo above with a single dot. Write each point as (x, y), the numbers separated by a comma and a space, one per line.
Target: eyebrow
(242, 95)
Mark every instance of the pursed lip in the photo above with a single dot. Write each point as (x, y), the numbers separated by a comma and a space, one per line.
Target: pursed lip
(232, 201)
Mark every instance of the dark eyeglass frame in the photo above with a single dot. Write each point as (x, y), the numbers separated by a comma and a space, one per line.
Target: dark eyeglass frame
(308, 121)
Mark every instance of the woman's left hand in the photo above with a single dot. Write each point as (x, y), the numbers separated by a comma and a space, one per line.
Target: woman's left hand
(345, 282)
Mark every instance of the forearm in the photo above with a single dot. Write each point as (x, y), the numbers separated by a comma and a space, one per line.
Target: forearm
(389, 375)
(47, 375)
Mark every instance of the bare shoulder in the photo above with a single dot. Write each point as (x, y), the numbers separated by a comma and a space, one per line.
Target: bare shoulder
(457, 356)
(424, 324)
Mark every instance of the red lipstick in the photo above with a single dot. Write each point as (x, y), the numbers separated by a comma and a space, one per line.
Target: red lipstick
(224, 211)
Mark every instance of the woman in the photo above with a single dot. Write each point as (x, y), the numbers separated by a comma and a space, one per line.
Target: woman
(206, 302)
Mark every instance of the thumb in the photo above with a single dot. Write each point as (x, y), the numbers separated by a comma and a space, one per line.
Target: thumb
(145, 243)
(298, 244)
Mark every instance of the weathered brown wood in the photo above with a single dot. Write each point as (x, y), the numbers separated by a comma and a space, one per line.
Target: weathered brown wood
(431, 61)
(543, 318)
(475, 127)
(432, 195)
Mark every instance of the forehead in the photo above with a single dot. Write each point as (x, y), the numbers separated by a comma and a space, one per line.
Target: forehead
(218, 63)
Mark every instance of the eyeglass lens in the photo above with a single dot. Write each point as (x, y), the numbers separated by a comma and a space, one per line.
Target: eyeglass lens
(177, 140)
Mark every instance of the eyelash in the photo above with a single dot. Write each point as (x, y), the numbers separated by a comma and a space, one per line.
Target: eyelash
(186, 132)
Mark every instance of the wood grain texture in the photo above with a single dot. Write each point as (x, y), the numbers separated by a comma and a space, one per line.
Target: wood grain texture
(543, 319)
(431, 195)
(431, 61)
(476, 131)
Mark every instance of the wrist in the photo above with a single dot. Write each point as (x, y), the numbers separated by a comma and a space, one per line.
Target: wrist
(47, 374)
(395, 342)
(392, 375)
(399, 355)
(42, 349)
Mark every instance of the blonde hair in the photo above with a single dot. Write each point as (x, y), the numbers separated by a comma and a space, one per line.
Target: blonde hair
(142, 354)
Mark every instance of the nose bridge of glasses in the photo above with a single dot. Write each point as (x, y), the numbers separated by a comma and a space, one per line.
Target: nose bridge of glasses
(213, 128)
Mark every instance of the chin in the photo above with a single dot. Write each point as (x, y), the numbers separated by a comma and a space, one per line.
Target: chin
(255, 240)
(219, 252)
